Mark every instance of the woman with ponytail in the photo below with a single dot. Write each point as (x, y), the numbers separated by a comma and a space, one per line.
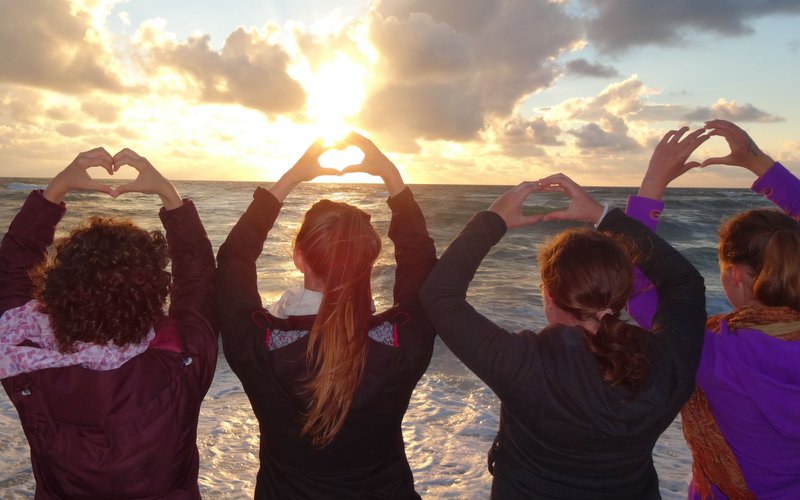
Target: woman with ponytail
(585, 399)
(743, 421)
(329, 379)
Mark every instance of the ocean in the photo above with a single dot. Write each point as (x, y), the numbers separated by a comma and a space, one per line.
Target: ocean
(453, 417)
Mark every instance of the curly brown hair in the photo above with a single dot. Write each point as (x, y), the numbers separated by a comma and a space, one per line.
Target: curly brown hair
(107, 283)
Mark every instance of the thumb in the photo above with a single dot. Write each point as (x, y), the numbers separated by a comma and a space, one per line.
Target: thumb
(558, 215)
(532, 219)
(99, 186)
(130, 187)
(690, 165)
(353, 168)
(718, 160)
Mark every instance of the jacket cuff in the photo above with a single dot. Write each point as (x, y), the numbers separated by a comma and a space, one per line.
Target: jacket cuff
(401, 200)
(645, 210)
(489, 223)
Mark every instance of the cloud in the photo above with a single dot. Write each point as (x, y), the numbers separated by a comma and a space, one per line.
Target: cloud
(611, 138)
(489, 53)
(520, 137)
(71, 129)
(620, 99)
(582, 67)
(101, 110)
(622, 24)
(424, 110)
(249, 70)
(729, 110)
(53, 45)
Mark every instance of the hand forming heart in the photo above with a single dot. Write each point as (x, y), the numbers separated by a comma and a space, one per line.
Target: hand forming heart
(76, 176)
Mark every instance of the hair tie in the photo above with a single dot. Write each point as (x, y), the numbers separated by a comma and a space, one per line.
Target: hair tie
(602, 314)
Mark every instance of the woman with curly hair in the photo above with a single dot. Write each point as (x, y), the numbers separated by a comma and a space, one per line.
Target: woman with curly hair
(743, 421)
(108, 388)
(328, 377)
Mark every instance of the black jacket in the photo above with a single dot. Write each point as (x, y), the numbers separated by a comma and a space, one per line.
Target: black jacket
(367, 457)
(564, 433)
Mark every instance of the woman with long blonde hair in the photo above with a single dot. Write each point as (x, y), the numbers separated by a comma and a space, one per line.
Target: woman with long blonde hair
(328, 378)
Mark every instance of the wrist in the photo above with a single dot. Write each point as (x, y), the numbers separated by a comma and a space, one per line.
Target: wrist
(394, 182)
(171, 199)
(653, 189)
(761, 164)
(55, 191)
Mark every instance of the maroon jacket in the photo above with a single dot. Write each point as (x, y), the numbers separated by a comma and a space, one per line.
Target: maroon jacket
(129, 432)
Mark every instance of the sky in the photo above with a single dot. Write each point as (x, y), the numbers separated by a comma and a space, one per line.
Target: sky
(453, 91)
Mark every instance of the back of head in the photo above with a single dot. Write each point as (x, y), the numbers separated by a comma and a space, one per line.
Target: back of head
(590, 276)
(107, 283)
(768, 243)
(340, 246)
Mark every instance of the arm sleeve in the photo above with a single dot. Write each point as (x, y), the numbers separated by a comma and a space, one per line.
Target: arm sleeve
(237, 279)
(192, 296)
(25, 246)
(414, 250)
(780, 187)
(679, 319)
(498, 357)
(644, 300)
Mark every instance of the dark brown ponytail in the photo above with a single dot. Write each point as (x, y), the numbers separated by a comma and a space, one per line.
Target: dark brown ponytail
(590, 276)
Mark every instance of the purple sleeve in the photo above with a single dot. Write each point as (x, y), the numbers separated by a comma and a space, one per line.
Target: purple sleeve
(780, 187)
(644, 300)
(645, 210)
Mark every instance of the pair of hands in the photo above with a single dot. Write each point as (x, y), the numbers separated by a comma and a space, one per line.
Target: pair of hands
(669, 157)
(582, 207)
(308, 166)
(76, 177)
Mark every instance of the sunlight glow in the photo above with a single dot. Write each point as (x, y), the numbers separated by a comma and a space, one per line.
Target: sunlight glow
(338, 159)
(335, 92)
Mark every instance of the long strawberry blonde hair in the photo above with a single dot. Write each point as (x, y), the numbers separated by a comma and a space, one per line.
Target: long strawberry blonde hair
(339, 245)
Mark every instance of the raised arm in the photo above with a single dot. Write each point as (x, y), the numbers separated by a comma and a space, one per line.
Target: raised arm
(668, 162)
(31, 232)
(414, 252)
(192, 296)
(679, 318)
(236, 277)
(498, 357)
(774, 181)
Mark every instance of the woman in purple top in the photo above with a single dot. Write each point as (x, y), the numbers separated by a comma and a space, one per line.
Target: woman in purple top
(743, 422)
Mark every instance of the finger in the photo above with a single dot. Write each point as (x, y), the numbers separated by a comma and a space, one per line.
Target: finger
(130, 158)
(329, 171)
(667, 137)
(676, 137)
(94, 159)
(723, 124)
(99, 186)
(690, 165)
(718, 160)
(531, 219)
(694, 135)
(316, 149)
(570, 186)
(350, 169)
(558, 215)
(131, 187)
